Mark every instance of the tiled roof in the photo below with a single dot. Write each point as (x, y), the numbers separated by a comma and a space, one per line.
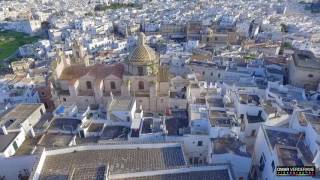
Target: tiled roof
(119, 160)
(195, 175)
(99, 71)
(142, 52)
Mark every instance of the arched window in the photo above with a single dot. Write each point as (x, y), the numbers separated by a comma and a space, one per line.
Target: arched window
(141, 85)
(112, 85)
(89, 85)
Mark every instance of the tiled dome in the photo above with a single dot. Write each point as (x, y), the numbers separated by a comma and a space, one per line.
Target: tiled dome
(142, 52)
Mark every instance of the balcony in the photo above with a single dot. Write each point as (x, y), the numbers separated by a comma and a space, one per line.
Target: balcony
(85, 93)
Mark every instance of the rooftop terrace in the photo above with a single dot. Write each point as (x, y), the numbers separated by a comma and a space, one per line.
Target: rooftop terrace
(249, 99)
(215, 102)
(313, 119)
(6, 140)
(255, 118)
(228, 145)
(55, 140)
(112, 132)
(121, 104)
(150, 125)
(65, 124)
(18, 115)
(289, 140)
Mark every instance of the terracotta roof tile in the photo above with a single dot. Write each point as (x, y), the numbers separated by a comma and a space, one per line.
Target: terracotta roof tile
(99, 71)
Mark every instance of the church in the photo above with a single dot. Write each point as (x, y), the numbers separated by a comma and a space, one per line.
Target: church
(140, 76)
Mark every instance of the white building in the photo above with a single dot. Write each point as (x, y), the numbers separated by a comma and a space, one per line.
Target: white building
(276, 146)
(16, 125)
(233, 151)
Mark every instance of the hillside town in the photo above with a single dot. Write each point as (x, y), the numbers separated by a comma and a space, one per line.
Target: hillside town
(159, 89)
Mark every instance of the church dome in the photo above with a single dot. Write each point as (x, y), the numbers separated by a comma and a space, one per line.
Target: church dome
(142, 53)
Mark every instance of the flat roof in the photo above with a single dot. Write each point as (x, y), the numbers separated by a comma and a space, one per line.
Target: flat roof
(150, 125)
(115, 132)
(255, 118)
(18, 115)
(219, 118)
(249, 98)
(53, 140)
(121, 104)
(289, 156)
(306, 59)
(65, 124)
(6, 140)
(282, 137)
(95, 127)
(120, 159)
(228, 145)
(313, 119)
(215, 102)
(198, 111)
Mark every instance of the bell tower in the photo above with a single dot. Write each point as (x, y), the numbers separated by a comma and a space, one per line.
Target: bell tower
(79, 54)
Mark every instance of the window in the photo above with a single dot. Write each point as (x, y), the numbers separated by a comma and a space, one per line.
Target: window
(272, 165)
(64, 99)
(242, 126)
(219, 75)
(128, 118)
(262, 162)
(211, 74)
(112, 85)
(190, 160)
(200, 143)
(310, 75)
(89, 85)
(140, 71)
(203, 73)
(141, 85)
(253, 132)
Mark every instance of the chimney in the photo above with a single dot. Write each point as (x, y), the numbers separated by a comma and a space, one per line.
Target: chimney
(33, 134)
(4, 130)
